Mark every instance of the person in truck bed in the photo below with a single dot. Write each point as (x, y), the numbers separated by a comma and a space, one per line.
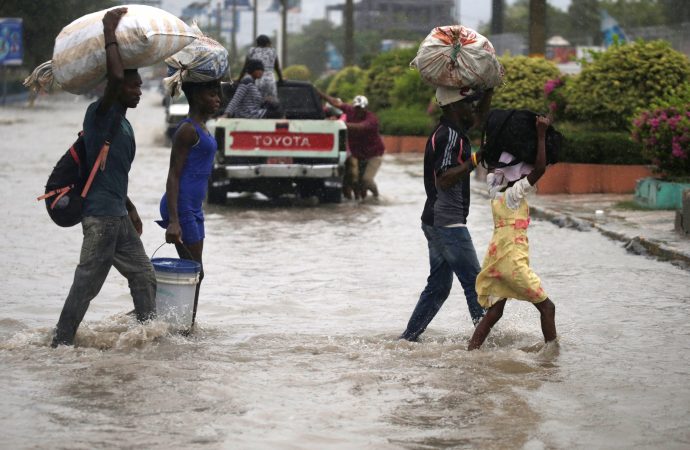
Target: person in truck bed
(264, 52)
(247, 102)
(364, 141)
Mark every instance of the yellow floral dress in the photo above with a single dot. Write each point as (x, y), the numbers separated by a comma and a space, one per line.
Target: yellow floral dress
(506, 272)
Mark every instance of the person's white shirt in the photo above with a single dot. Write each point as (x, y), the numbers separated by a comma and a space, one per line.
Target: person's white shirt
(514, 194)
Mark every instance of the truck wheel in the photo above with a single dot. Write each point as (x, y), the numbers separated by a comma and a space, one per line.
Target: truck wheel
(331, 195)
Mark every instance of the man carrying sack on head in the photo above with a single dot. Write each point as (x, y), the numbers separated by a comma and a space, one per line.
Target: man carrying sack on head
(110, 223)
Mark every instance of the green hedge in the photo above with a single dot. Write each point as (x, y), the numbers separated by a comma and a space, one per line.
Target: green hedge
(624, 79)
(405, 121)
(382, 74)
(297, 72)
(348, 83)
(599, 147)
(523, 85)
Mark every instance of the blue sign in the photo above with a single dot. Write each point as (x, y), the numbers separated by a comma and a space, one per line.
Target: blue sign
(11, 42)
(239, 4)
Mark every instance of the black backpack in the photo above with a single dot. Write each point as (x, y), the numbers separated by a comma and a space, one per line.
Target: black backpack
(514, 131)
(70, 180)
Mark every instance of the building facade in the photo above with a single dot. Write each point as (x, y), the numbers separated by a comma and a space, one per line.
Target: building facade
(416, 16)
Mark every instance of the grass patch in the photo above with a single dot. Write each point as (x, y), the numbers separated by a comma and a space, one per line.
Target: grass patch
(630, 205)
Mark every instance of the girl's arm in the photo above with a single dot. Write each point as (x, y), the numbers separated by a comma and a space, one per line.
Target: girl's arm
(540, 163)
(183, 140)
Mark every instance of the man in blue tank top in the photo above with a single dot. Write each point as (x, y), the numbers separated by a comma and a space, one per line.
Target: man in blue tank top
(110, 222)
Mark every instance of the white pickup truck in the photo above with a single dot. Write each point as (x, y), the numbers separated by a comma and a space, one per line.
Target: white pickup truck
(303, 154)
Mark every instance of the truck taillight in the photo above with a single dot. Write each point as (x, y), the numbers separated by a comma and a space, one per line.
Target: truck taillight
(220, 141)
(342, 140)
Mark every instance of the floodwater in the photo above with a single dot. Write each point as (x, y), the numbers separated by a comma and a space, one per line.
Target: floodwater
(298, 318)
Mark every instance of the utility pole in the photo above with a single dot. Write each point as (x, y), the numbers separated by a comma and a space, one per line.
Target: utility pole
(537, 28)
(219, 19)
(255, 19)
(233, 36)
(496, 17)
(283, 32)
(349, 23)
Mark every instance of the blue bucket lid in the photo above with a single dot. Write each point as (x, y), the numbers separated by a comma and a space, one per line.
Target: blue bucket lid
(175, 265)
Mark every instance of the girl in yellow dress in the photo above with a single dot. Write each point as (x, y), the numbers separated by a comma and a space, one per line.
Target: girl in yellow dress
(506, 272)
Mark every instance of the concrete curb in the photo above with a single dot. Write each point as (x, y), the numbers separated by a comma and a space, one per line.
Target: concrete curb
(638, 245)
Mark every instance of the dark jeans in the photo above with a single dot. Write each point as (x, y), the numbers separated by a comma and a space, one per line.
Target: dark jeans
(450, 251)
(108, 241)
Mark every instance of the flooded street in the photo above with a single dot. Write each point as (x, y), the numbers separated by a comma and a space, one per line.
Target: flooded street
(298, 319)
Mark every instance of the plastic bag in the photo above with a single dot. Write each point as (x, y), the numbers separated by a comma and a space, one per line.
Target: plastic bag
(202, 60)
(457, 56)
(145, 36)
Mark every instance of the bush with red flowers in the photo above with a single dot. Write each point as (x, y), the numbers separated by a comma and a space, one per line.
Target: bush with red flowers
(665, 137)
(554, 92)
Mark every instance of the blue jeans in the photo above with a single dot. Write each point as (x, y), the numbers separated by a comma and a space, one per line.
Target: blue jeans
(108, 241)
(450, 251)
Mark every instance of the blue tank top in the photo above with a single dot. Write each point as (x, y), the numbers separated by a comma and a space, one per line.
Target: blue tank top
(194, 178)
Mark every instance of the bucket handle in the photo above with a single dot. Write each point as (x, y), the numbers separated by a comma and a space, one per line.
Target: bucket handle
(185, 250)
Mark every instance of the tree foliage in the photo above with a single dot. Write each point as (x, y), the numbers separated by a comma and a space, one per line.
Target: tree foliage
(297, 72)
(410, 90)
(347, 83)
(624, 79)
(384, 69)
(309, 47)
(523, 85)
(43, 21)
(580, 24)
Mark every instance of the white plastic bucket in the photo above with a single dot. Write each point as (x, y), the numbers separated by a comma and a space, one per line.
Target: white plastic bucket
(176, 289)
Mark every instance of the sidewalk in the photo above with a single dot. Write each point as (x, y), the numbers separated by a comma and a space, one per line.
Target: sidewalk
(644, 232)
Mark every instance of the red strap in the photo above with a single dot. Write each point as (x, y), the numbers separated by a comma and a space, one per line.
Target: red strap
(100, 163)
(53, 192)
(63, 191)
(75, 157)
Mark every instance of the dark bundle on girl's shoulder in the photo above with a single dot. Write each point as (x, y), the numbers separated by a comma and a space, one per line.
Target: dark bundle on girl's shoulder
(514, 131)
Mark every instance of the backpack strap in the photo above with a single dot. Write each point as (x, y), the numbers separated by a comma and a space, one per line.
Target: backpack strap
(103, 154)
(98, 164)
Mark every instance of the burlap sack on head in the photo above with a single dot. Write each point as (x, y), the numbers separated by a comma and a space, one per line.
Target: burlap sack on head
(457, 56)
(201, 61)
(145, 36)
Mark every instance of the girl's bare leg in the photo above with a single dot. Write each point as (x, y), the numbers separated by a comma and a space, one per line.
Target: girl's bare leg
(484, 327)
(548, 319)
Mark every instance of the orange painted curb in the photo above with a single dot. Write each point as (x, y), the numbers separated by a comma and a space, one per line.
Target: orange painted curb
(404, 144)
(574, 178)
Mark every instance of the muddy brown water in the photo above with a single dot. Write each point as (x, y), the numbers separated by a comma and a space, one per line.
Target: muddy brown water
(298, 318)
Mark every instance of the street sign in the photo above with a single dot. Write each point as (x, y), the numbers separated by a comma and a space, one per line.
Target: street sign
(11, 42)
(239, 4)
